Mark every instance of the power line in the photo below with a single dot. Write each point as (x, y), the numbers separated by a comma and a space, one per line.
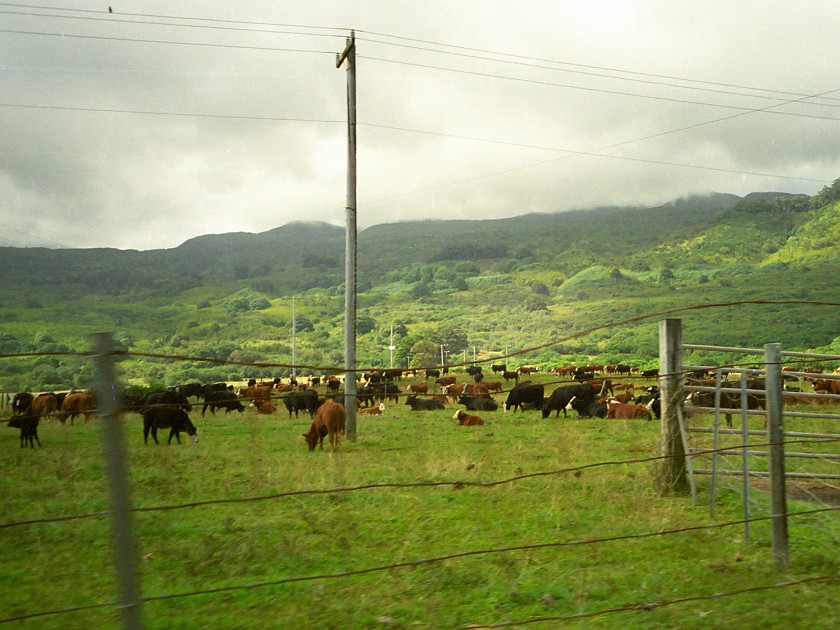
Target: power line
(168, 42)
(781, 95)
(488, 75)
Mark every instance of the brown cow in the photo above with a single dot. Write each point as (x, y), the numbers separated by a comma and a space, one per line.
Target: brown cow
(443, 381)
(329, 420)
(255, 393)
(824, 386)
(493, 386)
(44, 405)
(420, 388)
(621, 411)
(263, 406)
(372, 411)
(75, 404)
(466, 419)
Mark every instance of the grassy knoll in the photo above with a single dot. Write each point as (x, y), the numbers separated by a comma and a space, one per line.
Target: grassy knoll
(56, 565)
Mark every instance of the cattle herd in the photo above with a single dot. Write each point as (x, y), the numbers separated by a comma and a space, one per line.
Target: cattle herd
(591, 391)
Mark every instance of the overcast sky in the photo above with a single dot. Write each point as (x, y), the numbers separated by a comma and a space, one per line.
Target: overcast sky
(162, 121)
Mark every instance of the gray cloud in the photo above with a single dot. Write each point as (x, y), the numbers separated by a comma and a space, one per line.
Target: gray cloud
(644, 78)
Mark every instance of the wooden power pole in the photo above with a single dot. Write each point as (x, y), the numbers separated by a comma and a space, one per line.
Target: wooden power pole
(349, 55)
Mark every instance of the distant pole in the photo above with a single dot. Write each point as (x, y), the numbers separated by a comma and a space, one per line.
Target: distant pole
(349, 54)
(116, 469)
(294, 340)
(442, 360)
(391, 346)
(776, 453)
(674, 472)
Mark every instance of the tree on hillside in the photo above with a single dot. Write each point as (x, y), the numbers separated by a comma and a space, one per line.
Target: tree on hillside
(829, 194)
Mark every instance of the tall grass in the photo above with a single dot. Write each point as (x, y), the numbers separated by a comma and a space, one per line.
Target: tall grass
(50, 566)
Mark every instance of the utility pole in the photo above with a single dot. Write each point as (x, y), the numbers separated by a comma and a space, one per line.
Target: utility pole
(349, 55)
(391, 346)
(294, 341)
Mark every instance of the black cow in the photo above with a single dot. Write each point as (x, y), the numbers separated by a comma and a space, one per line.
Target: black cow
(172, 418)
(28, 425)
(588, 408)
(132, 402)
(21, 402)
(168, 399)
(622, 368)
(432, 373)
(652, 397)
(217, 400)
(217, 387)
(472, 370)
(501, 367)
(561, 397)
(473, 403)
(392, 373)
(301, 400)
(531, 395)
(365, 394)
(423, 404)
(191, 389)
(650, 373)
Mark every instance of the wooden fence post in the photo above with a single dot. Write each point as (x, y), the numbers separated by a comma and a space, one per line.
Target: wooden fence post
(776, 437)
(674, 476)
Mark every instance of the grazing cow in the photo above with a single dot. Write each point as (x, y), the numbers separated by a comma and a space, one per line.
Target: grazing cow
(21, 402)
(420, 388)
(650, 373)
(621, 368)
(172, 418)
(423, 404)
(301, 400)
(218, 400)
(28, 425)
(474, 403)
(169, 399)
(372, 411)
(525, 394)
(217, 387)
(621, 411)
(75, 404)
(191, 389)
(472, 370)
(430, 373)
(467, 420)
(330, 419)
(526, 369)
(44, 405)
(511, 375)
(443, 381)
(560, 398)
(255, 393)
(499, 367)
(493, 386)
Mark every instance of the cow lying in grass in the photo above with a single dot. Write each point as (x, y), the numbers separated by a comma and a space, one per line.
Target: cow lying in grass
(467, 420)
(28, 426)
(329, 420)
(622, 411)
(423, 404)
(372, 411)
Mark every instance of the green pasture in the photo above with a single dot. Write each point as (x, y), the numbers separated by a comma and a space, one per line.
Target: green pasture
(57, 565)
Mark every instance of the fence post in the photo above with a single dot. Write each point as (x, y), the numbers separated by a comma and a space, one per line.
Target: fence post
(775, 437)
(670, 384)
(117, 473)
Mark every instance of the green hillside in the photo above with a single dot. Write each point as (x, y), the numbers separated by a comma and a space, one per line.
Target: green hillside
(479, 287)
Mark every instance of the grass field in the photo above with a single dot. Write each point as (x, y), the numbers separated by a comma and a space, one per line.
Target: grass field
(55, 565)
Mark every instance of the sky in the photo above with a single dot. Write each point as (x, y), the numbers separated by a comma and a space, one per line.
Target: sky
(152, 123)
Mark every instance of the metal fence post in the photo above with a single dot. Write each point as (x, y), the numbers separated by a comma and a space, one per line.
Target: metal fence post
(116, 471)
(775, 437)
(670, 384)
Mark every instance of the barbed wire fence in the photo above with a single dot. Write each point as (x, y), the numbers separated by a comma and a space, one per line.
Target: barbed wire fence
(121, 511)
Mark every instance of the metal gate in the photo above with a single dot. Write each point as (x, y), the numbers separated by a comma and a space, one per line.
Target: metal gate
(792, 451)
